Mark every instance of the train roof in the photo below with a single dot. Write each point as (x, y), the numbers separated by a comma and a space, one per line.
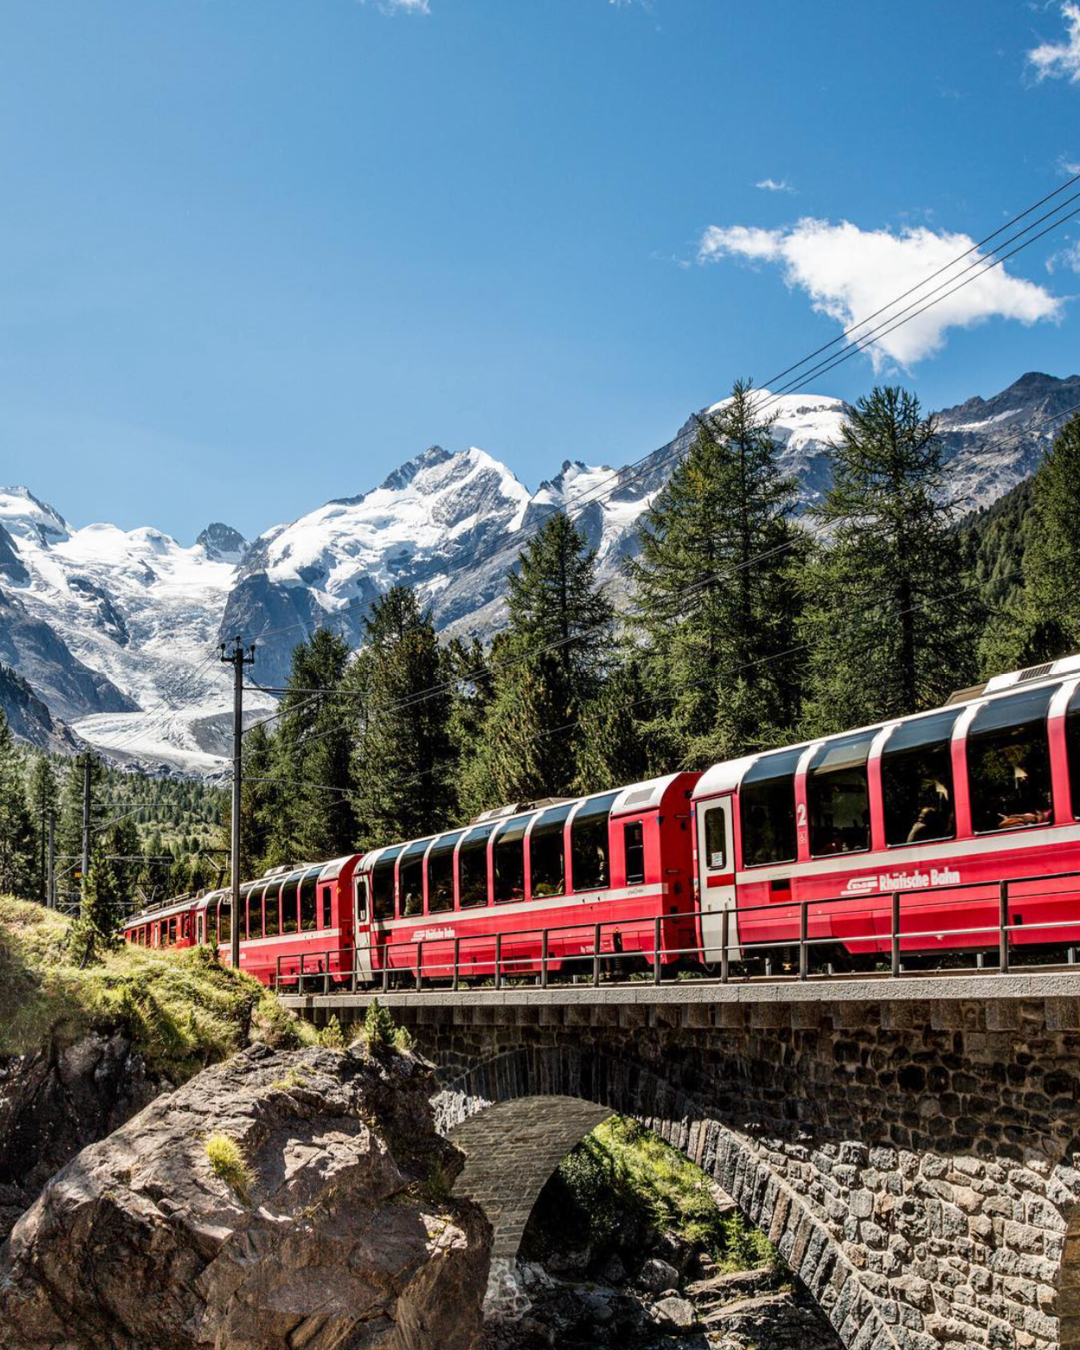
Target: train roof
(645, 796)
(727, 775)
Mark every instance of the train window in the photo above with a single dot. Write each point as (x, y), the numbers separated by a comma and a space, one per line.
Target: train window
(838, 794)
(308, 919)
(589, 849)
(472, 867)
(411, 878)
(510, 860)
(360, 886)
(547, 850)
(289, 888)
(272, 910)
(917, 780)
(254, 912)
(1072, 746)
(440, 874)
(1008, 757)
(767, 810)
(324, 897)
(634, 846)
(225, 919)
(716, 859)
(210, 929)
(382, 885)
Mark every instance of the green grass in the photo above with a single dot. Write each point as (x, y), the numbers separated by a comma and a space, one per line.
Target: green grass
(181, 1009)
(227, 1163)
(622, 1182)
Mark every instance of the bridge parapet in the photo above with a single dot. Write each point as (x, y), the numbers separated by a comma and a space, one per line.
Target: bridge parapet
(912, 1146)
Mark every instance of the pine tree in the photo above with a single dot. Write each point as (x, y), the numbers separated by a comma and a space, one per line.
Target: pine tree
(43, 797)
(555, 603)
(547, 668)
(715, 589)
(890, 622)
(69, 825)
(102, 910)
(404, 769)
(1043, 621)
(612, 746)
(123, 846)
(525, 751)
(262, 801)
(17, 838)
(313, 753)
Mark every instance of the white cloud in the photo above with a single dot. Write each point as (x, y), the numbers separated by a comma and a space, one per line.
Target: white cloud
(1053, 60)
(1069, 167)
(1069, 257)
(404, 6)
(774, 185)
(849, 273)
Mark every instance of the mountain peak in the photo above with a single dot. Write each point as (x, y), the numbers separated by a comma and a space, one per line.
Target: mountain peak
(24, 514)
(405, 473)
(222, 543)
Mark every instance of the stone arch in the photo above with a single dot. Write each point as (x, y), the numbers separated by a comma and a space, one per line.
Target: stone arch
(1063, 1193)
(476, 1102)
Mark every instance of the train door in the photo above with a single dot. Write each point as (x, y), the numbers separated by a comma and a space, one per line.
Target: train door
(362, 926)
(716, 871)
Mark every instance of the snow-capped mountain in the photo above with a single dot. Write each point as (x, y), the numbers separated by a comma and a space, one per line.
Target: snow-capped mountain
(117, 631)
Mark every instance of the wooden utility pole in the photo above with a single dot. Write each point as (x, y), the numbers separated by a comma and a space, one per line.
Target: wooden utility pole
(238, 660)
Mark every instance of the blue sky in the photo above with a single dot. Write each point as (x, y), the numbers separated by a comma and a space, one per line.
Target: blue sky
(256, 253)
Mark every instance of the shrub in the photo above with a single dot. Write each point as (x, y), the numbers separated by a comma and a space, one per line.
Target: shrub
(331, 1036)
(379, 1030)
(228, 1165)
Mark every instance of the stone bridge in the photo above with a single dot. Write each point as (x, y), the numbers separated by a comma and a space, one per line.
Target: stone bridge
(911, 1146)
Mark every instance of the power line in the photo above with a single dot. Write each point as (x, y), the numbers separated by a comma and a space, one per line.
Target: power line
(933, 276)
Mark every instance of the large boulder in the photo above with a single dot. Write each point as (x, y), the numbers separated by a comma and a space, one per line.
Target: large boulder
(335, 1232)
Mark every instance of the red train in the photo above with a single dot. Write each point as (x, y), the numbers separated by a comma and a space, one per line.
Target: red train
(935, 820)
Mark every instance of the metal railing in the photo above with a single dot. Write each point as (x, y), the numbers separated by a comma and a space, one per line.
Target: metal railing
(599, 952)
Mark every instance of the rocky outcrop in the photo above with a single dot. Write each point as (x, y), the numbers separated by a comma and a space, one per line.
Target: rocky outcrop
(334, 1228)
(54, 1103)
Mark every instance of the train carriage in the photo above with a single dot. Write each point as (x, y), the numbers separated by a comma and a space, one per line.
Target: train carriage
(926, 818)
(525, 888)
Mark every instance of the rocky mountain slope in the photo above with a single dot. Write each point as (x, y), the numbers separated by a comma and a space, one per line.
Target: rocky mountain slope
(116, 631)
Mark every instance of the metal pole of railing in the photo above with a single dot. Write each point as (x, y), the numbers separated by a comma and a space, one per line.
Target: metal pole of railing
(420, 965)
(354, 975)
(544, 949)
(596, 956)
(894, 940)
(498, 960)
(277, 974)
(725, 955)
(457, 962)
(658, 969)
(326, 975)
(385, 968)
(1003, 928)
(300, 974)
(804, 950)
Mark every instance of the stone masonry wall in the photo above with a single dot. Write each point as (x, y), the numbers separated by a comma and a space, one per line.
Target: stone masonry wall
(917, 1163)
